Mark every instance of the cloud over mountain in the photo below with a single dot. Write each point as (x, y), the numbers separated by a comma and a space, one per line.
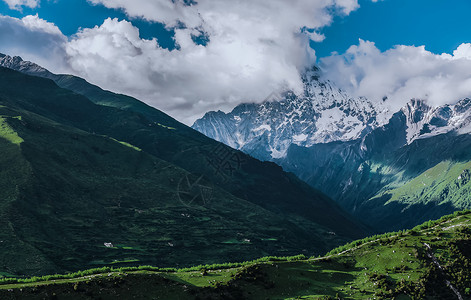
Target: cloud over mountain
(402, 73)
(252, 49)
(34, 39)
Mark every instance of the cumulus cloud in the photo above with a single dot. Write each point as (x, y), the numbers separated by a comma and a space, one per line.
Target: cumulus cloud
(402, 73)
(296, 13)
(254, 48)
(34, 39)
(17, 4)
(36, 24)
(190, 80)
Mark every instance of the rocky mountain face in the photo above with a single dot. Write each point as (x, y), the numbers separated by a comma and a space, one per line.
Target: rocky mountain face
(323, 113)
(358, 152)
(425, 121)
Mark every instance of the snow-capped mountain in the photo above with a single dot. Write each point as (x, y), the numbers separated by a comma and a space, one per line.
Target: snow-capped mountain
(18, 64)
(421, 148)
(331, 166)
(321, 114)
(359, 152)
(425, 121)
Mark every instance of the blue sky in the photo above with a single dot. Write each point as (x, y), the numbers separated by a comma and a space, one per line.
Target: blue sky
(153, 49)
(439, 25)
(70, 15)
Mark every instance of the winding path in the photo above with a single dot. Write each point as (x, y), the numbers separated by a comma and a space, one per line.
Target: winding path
(435, 261)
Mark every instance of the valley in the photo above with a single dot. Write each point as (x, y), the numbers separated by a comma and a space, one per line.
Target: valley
(110, 184)
(429, 261)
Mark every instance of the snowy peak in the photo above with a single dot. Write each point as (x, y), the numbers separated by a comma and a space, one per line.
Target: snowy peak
(322, 113)
(18, 64)
(424, 121)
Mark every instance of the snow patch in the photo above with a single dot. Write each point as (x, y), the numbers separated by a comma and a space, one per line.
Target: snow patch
(262, 127)
(240, 140)
(300, 138)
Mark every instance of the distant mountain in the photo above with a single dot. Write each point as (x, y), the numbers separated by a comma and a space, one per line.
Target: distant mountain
(372, 177)
(323, 113)
(118, 183)
(424, 121)
(358, 152)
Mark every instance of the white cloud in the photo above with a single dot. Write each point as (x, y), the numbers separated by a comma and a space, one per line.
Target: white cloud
(402, 73)
(34, 23)
(34, 39)
(255, 47)
(463, 51)
(188, 81)
(315, 36)
(17, 4)
(206, 13)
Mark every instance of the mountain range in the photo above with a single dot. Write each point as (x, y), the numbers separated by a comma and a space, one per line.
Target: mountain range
(92, 178)
(392, 169)
(321, 114)
(80, 162)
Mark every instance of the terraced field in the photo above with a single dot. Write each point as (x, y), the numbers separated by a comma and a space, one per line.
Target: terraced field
(431, 261)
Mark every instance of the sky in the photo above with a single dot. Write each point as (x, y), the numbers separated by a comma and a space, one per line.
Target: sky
(187, 57)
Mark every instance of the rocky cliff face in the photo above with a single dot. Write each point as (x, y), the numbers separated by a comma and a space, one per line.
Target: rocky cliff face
(424, 121)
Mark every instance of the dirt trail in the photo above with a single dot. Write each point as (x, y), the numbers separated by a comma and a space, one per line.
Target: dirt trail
(435, 261)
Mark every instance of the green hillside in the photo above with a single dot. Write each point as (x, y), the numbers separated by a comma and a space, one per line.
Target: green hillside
(447, 182)
(385, 182)
(75, 175)
(431, 261)
(424, 180)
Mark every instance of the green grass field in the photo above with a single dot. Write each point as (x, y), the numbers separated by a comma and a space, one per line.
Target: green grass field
(390, 266)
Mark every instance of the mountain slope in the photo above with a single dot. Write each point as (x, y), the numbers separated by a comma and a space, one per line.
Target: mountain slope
(357, 152)
(430, 262)
(378, 174)
(92, 92)
(178, 144)
(77, 187)
(78, 191)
